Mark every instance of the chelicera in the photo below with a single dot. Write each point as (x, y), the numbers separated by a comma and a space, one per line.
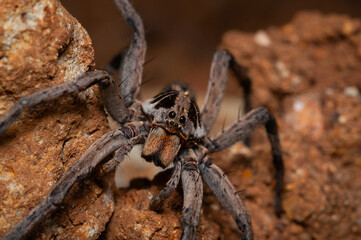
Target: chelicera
(172, 129)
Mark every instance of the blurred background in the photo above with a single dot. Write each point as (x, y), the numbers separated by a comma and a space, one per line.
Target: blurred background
(183, 35)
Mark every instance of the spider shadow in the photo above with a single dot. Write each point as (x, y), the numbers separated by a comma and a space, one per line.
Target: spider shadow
(159, 181)
(174, 202)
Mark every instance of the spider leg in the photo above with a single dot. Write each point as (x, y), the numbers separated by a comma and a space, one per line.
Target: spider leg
(31, 100)
(192, 194)
(227, 195)
(241, 129)
(131, 66)
(114, 101)
(215, 89)
(217, 82)
(123, 138)
(156, 203)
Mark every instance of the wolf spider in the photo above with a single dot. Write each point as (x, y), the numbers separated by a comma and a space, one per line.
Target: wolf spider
(171, 129)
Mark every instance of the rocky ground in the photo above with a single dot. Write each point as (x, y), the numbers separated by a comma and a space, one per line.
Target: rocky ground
(42, 45)
(308, 73)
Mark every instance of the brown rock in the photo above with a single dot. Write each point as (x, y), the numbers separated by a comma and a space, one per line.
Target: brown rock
(298, 116)
(307, 73)
(84, 214)
(42, 45)
(132, 218)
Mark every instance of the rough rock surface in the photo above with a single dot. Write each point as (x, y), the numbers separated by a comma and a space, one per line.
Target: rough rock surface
(132, 218)
(42, 45)
(308, 73)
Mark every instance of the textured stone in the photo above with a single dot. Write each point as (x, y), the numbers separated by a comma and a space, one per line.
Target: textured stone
(308, 75)
(83, 216)
(132, 218)
(42, 45)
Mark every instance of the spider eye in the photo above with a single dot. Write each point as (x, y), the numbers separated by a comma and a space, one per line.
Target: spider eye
(182, 119)
(172, 114)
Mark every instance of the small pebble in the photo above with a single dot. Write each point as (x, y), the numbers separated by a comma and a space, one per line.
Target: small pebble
(281, 67)
(298, 106)
(351, 91)
(261, 38)
(342, 119)
(296, 80)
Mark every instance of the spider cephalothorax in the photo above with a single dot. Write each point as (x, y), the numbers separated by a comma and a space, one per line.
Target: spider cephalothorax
(172, 129)
(175, 120)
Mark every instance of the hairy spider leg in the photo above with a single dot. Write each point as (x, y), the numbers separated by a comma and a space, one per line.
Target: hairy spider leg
(241, 129)
(192, 194)
(123, 91)
(114, 101)
(123, 138)
(157, 201)
(227, 195)
(222, 60)
(215, 90)
(80, 84)
(131, 66)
